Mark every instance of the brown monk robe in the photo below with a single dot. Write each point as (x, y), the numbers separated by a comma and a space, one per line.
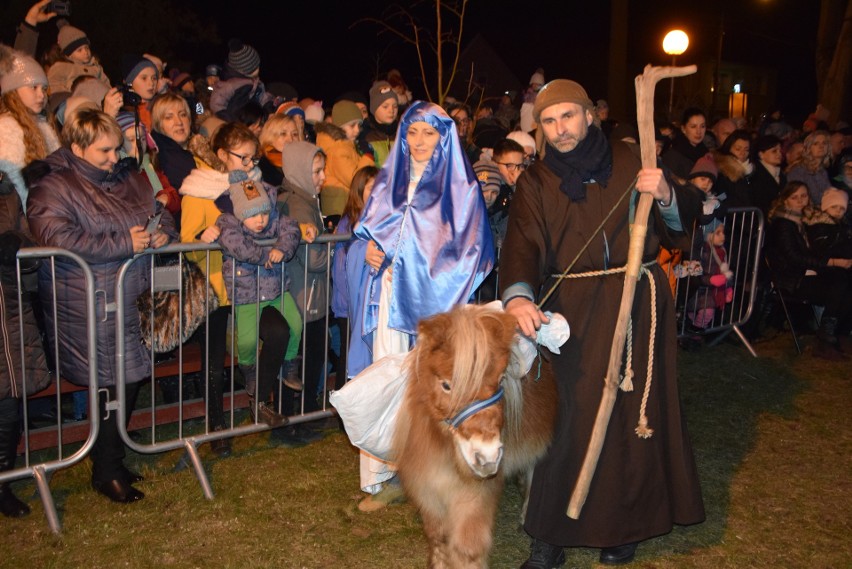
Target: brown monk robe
(642, 486)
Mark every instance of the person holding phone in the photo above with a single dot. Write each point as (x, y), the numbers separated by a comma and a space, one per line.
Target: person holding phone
(90, 202)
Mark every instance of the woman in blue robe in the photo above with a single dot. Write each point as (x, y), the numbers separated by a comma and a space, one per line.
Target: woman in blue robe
(423, 245)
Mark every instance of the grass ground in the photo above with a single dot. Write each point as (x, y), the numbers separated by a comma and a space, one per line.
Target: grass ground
(771, 443)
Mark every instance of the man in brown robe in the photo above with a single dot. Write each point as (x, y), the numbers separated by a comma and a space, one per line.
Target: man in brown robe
(642, 486)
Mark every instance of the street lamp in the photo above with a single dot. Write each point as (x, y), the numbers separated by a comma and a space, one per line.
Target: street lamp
(674, 44)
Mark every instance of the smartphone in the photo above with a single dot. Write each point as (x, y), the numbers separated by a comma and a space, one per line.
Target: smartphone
(60, 7)
(153, 223)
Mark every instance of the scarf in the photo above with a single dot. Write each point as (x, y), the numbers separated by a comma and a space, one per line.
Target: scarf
(591, 160)
(682, 145)
(273, 156)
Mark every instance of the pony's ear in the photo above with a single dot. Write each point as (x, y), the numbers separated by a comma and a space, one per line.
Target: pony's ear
(432, 331)
(499, 326)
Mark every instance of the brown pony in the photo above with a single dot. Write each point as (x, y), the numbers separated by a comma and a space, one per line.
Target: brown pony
(454, 473)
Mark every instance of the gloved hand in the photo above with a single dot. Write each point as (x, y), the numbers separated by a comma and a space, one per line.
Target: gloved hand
(718, 280)
(10, 242)
(6, 185)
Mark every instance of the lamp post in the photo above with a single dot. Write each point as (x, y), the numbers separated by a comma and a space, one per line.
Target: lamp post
(674, 44)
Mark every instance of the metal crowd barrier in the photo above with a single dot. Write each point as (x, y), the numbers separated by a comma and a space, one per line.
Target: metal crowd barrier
(42, 469)
(700, 308)
(188, 438)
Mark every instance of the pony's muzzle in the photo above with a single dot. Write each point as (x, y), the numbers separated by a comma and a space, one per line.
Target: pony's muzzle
(483, 457)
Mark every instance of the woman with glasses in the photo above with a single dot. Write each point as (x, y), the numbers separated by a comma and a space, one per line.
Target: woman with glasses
(461, 115)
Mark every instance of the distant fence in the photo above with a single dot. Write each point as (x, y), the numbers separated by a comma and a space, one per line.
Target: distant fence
(722, 306)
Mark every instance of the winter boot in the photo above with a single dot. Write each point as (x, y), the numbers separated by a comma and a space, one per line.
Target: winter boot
(292, 376)
(827, 347)
(544, 556)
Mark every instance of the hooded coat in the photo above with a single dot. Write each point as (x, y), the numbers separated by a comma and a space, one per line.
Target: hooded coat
(78, 207)
(299, 199)
(641, 486)
(429, 275)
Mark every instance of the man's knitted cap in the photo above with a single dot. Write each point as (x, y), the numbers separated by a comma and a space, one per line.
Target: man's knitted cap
(560, 91)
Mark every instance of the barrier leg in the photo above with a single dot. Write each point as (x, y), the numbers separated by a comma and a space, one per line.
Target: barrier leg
(41, 478)
(200, 473)
(745, 341)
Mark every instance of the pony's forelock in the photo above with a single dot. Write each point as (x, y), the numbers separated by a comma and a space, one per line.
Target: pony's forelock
(475, 350)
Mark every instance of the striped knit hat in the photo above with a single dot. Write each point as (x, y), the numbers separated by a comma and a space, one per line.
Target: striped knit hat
(242, 58)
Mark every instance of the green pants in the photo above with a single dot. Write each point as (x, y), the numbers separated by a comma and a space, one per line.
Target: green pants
(246, 323)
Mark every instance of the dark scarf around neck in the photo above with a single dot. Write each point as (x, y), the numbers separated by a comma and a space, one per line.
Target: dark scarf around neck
(591, 160)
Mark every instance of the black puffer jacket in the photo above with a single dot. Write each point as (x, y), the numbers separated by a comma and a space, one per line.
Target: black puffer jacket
(14, 233)
(789, 253)
(90, 212)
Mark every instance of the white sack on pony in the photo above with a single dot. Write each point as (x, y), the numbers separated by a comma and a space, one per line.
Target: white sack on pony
(368, 404)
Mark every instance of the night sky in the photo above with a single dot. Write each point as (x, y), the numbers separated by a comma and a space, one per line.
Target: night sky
(314, 46)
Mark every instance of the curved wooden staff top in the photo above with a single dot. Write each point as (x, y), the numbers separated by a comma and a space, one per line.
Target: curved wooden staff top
(645, 84)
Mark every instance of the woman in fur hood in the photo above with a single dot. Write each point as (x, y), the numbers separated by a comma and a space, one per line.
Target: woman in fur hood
(735, 169)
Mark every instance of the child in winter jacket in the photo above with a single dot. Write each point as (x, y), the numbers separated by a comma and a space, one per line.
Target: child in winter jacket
(254, 273)
(75, 60)
(715, 290)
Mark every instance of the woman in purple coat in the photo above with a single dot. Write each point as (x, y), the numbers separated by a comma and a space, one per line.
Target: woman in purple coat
(90, 203)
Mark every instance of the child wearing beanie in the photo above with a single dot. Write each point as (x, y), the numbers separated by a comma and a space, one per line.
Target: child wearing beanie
(73, 59)
(703, 177)
(828, 230)
(338, 140)
(380, 129)
(242, 83)
(250, 268)
(714, 290)
(141, 77)
(26, 133)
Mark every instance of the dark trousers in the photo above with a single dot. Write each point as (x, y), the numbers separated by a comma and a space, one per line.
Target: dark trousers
(10, 432)
(315, 361)
(108, 452)
(213, 350)
(275, 334)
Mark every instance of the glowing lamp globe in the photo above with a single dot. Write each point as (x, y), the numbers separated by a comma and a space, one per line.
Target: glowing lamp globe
(675, 42)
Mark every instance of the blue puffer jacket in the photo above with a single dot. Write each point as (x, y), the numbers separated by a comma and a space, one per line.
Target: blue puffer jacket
(240, 250)
(88, 211)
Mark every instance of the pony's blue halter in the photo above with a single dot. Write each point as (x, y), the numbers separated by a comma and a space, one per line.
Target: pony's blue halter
(474, 408)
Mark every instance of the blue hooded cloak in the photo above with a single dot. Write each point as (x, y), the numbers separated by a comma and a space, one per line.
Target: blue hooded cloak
(439, 244)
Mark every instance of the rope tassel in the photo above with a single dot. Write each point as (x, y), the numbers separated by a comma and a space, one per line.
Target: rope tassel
(642, 429)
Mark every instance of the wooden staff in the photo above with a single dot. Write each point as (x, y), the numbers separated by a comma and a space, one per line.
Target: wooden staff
(645, 84)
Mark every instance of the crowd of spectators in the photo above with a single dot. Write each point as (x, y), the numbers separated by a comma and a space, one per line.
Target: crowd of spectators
(162, 142)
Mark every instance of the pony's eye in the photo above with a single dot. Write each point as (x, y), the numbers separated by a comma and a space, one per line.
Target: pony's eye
(445, 385)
